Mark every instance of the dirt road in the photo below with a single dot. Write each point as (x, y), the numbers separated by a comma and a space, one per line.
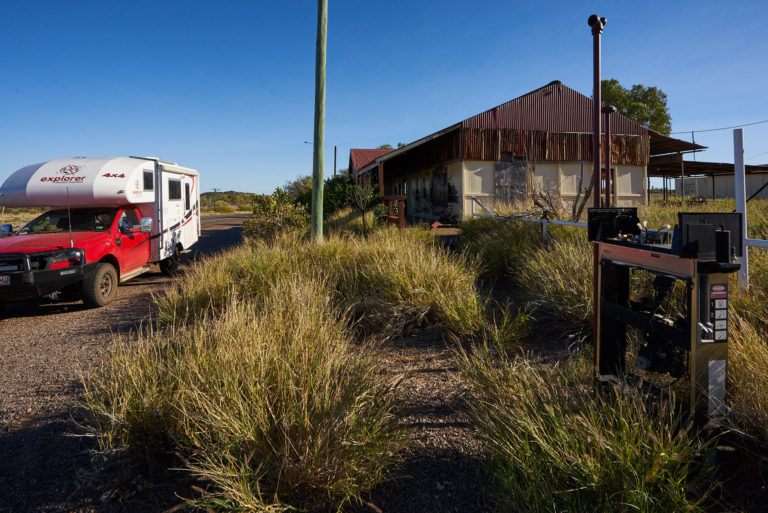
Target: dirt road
(43, 349)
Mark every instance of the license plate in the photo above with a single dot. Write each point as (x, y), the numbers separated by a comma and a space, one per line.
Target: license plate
(5, 280)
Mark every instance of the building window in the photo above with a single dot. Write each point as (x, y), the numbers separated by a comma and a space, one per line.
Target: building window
(149, 181)
(174, 189)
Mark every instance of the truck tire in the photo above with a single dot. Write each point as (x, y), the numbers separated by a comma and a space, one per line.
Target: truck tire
(100, 286)
(170, 265)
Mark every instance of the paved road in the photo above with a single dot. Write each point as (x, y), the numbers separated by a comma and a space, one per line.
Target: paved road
(44, 348)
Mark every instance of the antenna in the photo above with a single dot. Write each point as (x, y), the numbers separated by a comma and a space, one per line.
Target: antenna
(69, 219)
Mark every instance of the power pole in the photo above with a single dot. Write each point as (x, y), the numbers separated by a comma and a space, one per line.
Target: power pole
(214, 199)
(317, 165)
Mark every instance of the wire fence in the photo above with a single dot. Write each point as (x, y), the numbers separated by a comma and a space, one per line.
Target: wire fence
(544, 221)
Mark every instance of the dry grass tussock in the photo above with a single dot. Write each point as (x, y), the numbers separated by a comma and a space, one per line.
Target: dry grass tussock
(270, 400)
(389, 280)
(555, 445)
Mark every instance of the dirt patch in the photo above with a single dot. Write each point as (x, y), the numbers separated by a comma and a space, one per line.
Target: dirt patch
(443, 457)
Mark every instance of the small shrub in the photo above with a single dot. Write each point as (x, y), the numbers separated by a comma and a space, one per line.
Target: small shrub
(273, 215)
(224, 209)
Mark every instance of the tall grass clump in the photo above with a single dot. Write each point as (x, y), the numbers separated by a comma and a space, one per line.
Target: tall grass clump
(555, 445)
(560, 274)
(748, 361)
(389, 280)
(349, 221)
(271, 402)
(499, 245)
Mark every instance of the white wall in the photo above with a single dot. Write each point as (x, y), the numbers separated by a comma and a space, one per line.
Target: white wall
(701, 186)
(479, 179)
(630, 185)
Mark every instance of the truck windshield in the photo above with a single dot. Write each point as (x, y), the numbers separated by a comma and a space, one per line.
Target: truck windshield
(84, 220)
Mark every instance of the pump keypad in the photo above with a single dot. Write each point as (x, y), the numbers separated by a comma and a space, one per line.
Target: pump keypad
(718, 311)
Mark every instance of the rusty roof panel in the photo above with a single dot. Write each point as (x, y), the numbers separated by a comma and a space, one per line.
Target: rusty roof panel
(552, 108)
(360, 158)
(540, 146)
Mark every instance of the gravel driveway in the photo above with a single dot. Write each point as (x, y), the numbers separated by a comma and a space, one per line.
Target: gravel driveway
(44, 347)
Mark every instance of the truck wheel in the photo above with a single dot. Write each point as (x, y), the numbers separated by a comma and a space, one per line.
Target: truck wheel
(100, 287)
(170, 265)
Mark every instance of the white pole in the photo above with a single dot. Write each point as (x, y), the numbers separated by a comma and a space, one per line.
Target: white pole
(741, 201)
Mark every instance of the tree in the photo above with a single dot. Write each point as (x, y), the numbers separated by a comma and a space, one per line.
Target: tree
(644, 105)
(300, 189)
(364, 196)
(384, 147)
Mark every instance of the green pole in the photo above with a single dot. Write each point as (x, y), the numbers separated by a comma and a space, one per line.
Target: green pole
(317, 165)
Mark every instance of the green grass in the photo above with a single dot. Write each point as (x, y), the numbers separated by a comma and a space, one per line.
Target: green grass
(270, 401)
(559, 275)
(557, 446)
(389, 281)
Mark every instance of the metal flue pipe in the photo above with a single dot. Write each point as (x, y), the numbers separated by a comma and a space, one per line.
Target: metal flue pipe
(597, 23)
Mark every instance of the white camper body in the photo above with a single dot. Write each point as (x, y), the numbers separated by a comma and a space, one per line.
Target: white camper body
(167, 193)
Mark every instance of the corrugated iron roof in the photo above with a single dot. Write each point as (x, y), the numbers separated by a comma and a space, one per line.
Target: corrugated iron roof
(551, 108)
(669, 168)
(360, 157)
(663, 144)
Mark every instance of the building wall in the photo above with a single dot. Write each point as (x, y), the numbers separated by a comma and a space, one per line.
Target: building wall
(629, 187)
(701, 186)
(479, 180)
(556, 177)
(419, 205)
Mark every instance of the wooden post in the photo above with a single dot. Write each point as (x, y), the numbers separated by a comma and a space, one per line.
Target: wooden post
(381, 178)
(401, 214)
(317, 164)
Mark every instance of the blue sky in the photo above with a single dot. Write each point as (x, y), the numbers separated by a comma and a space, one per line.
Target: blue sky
(228, 87)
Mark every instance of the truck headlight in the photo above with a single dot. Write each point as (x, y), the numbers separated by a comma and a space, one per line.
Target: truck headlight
(63, 258)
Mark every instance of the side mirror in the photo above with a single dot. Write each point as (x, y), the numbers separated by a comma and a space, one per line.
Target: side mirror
(6, 229)
(146, 224)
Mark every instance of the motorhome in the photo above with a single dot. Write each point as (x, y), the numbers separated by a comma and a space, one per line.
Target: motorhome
(108, 220)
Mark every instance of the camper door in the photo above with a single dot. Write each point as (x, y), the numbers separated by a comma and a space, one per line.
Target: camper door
(180, 222)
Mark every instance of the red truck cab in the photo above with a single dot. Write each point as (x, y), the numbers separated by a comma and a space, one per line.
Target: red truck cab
(85, 250)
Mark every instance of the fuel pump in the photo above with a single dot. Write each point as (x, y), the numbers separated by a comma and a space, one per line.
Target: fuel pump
(693, 343)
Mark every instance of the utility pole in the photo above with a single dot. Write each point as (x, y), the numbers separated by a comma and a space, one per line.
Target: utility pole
(334, 161)
(317, 164)
(214, 198)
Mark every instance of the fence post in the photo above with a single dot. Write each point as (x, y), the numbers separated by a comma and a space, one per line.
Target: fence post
(544, 223)
(741, 202)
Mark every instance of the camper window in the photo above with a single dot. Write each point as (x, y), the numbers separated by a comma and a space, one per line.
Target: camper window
(149, 179)
(174, 189)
